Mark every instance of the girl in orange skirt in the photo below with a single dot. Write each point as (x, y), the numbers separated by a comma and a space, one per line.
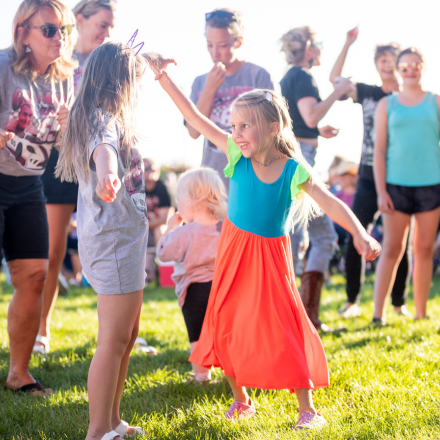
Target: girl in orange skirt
(256, 328)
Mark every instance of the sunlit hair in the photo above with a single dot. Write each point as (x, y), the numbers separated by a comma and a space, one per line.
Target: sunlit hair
(266, 112)
(87, 8)
(108, 95)
(235, 28)
(64, 66)
(295, 42)
(205, 190)
(382, 49)
(411, 51)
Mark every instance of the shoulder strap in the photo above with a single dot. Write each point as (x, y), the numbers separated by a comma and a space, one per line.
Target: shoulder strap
(301, 175)
(234, 154)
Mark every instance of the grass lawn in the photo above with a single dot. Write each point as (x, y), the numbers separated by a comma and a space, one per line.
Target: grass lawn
(385, 382)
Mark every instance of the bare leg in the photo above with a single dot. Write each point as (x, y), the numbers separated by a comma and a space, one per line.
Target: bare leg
(77, 268)
(116, 420)
(27, 277)
(305, 400)
(425, 230)
(197, 368)
(117, 316)
(395, 234)
(58, 217)
(240, 393)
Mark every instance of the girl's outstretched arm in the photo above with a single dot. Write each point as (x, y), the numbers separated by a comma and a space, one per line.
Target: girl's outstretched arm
(192, 115)
(340, 213)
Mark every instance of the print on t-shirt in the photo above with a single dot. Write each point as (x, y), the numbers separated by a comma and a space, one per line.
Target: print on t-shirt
(221, 107)
(369, 106)
(35, 129)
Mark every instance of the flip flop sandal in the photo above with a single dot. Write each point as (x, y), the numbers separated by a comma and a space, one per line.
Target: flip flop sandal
(142, 345)
(122, 430)
(31, 387)
(42, 349)
(110, 435)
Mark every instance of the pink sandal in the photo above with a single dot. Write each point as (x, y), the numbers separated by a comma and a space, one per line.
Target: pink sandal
(240, 410)
(310, 421)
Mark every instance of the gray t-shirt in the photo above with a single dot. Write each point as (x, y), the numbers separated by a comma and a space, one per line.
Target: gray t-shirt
(29, 109)
(77, 75)
(247, 77)
(112, 237)
(192, 248)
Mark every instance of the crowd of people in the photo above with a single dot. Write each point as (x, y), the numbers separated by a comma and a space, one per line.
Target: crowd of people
(68, 147)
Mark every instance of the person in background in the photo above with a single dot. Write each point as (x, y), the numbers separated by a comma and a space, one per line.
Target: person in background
(214, 92)
(202, 202)
(37, 70)
(407, 176)
(365, 199)
(159, 210)
(95, 19)
(306, 110)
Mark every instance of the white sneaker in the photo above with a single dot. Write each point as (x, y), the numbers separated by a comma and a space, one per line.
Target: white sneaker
(350, 311)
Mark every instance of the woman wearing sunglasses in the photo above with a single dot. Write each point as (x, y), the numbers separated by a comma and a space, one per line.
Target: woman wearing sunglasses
(36, 75)
(214, 92)
(306, 110)
(407, 175)
(94, 21)
(365, 199)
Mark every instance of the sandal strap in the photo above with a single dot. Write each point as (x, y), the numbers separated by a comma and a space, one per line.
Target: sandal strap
(43, 340)
(110, 435)
(141, 341)
(122, 428)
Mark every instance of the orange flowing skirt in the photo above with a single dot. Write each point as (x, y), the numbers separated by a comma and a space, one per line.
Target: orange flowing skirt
(256, 328)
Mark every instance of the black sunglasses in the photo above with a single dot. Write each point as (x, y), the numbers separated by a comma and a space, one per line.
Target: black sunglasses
(222, 15)
(50, 30)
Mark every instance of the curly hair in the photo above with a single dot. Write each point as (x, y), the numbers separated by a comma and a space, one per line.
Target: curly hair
(295, 42)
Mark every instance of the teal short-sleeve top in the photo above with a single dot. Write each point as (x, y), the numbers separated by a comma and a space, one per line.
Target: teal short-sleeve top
(257, 207)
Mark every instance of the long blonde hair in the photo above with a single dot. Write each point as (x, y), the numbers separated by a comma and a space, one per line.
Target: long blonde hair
(108, 95)
(295, 42)
(64, 66)
(275, 109)
(205, 189)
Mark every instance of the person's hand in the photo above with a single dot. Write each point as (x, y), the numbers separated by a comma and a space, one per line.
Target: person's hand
(108, 187)
(384, 202)
(5, 136)
(352, 35)
(158, 63)
(328, 132)
(366, 245)
(216, 77)
(63, 116)
(343, 87)
(175, 221)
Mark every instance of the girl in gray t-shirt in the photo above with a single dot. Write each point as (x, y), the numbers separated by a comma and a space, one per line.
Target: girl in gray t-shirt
(99, 152)
(193, 247)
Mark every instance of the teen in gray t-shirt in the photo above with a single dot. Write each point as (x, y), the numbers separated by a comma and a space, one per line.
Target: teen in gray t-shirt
(249, 76)
(112, 237)
(29, 110)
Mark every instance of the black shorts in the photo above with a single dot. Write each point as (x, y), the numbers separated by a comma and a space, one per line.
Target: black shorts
(24, 232)
(57, 192)
(194, 308)
(413, 199)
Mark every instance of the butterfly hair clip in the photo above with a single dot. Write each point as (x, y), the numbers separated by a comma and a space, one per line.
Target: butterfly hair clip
(132, 40)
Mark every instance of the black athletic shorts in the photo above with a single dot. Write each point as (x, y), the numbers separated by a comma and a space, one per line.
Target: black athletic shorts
(24, 232)
(413, 199)
(194, 308)
(57, 192)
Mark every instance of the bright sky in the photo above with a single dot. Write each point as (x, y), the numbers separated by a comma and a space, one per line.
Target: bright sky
(176, 28)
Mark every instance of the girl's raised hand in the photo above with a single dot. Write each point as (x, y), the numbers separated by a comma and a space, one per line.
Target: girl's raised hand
(108, 187)
(175, 221)
(352, 35)
(158, 63)
(366, 245)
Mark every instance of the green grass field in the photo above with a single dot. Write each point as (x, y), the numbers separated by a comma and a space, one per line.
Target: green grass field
(385, 382)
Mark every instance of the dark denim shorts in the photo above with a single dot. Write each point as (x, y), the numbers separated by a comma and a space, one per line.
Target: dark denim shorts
(414, 199)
